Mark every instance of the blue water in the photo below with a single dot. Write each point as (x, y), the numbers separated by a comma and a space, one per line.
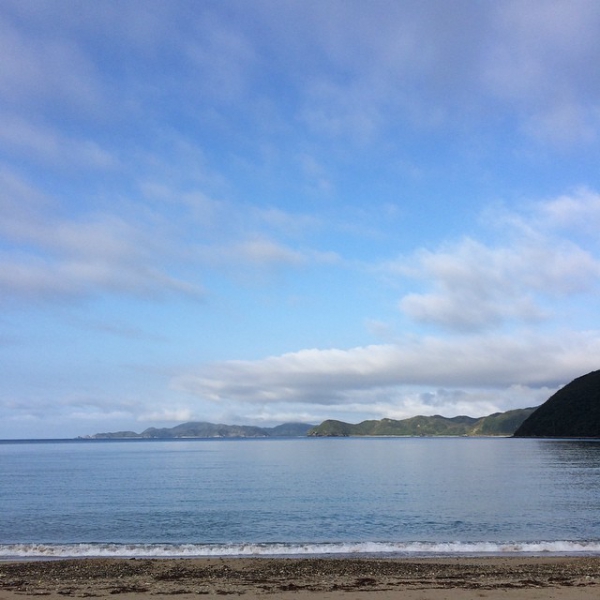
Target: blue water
(401, 496)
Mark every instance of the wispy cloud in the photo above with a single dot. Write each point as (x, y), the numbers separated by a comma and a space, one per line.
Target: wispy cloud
(478, 285)
(159, 244)
(59, 257)
(545, 75)
(46, 67)
(40, 143)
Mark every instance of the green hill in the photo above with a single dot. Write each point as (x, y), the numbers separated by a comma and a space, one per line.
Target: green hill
(210, 430)
(573, 411)
(500, 424)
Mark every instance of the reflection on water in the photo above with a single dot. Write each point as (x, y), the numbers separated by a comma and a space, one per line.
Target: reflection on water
(578, 453)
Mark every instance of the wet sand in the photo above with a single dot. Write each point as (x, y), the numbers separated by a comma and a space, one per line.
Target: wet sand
(305, 579)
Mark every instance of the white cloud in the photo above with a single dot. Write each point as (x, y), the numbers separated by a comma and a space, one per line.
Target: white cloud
(329, 377)
(168, 414)
(49, 257)
(288, 223)
(29, 277)
(258, 252)
(539, 60)
(40, 143)
(477, 285)
(474, 287)
(578, 212)
(351, 69)
(366, 68)
(239, 236)
(261, 255)
(157, 245)
(43, 67)
(222, 59)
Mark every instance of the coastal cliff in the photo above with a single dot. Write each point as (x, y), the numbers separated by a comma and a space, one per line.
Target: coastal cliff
(573, 411)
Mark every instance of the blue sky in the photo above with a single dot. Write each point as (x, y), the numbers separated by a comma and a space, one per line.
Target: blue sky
(269, 211)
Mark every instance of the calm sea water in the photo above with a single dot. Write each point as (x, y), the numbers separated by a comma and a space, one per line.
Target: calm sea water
(400, 496)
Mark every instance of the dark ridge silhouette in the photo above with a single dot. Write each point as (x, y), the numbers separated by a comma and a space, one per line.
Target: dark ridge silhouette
(572, 412)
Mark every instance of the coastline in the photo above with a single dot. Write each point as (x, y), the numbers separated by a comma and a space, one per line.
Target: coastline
(467, 578)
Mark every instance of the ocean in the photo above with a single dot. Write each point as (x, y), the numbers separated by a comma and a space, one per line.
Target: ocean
(299, 496)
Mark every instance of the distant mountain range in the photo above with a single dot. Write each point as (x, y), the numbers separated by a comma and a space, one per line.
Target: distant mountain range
(497, 424)
(500, 424)
(210, 430)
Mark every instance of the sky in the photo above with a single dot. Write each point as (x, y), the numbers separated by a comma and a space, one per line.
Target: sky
(294, 210)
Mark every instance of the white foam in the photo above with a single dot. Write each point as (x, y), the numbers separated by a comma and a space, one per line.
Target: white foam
(36, 551)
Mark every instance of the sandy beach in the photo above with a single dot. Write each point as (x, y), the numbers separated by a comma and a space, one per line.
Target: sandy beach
(314, 578)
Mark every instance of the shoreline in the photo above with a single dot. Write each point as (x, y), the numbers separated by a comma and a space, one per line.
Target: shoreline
(569, 578)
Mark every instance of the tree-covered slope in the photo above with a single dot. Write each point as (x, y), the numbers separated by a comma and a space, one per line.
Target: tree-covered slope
(501, 423)
(497, 424)
(573, 411)
(211, 430)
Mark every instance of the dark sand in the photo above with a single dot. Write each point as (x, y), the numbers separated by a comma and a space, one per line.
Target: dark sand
(329, 578)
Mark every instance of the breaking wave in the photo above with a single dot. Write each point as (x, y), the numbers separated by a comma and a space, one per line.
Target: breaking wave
(103, 550)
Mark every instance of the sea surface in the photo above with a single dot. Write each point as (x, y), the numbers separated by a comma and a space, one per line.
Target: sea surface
(301, 496)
